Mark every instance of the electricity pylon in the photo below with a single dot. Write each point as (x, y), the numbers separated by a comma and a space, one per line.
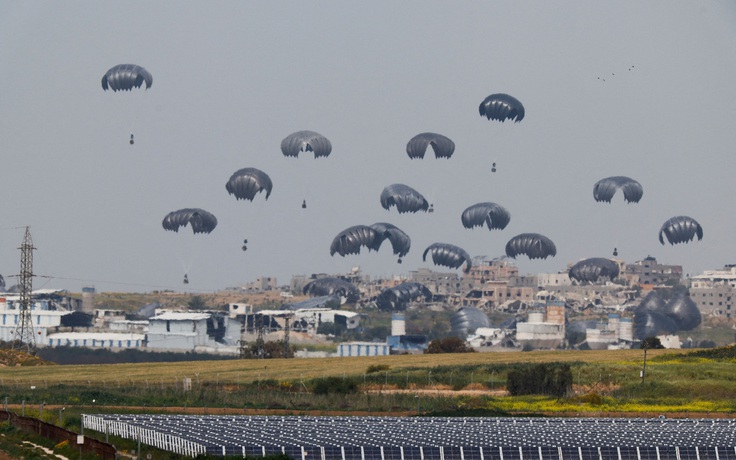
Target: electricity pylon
(24, 334)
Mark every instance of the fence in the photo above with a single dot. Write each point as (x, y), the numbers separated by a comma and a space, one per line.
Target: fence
(58, 434)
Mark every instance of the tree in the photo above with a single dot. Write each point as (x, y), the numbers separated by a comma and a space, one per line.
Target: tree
(448, 345)
(646, 344)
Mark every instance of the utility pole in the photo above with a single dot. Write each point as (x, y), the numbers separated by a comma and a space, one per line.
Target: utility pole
(287, 350)
(24, 336)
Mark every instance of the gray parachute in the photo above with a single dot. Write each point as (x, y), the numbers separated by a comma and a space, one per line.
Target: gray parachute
(247, 182)
(533, 245)
(680, 229)
(448, 255)
(332, 286)
(467, 320)
(396, 298)
(350, 240)
(443, 147)
(604, 189)
(125, 77)
(655, 317)
(683, 311)
(593, 269)
(501, 107)
(405, 198)
(400, 241)
(649, 323)
(199, 220)
(306, 141)
(493, 215)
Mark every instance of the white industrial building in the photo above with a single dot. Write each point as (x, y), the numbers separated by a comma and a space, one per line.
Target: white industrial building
(543, 328)
(174, 331)
(345, 349)
(109, 340)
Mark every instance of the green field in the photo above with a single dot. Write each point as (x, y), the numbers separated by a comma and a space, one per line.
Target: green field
(603, 382)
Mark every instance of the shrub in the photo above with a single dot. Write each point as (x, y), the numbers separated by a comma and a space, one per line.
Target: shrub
(335, 385)
(377, 368)
(546, 379)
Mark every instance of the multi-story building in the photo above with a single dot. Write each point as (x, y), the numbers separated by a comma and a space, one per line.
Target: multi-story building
(714, 291)
(649, 271)
(438, 283)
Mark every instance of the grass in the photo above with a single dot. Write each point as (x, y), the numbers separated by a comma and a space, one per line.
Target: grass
(604, 382)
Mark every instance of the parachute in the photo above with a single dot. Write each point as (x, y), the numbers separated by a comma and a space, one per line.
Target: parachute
(448, 255)
(534, 245)
(405, 198)
(604, 189)
(594, 268)
(400, 241)
(653, 302)
(306, 141)
(125, 77)
(493, 215)
(443, 147)
(350, 240)
(649, 323)
(466, 320)
(655, 317)
(247, 182)
(396, 298)
(680, 229)
(501, 107)
(683, 311)
(332, 286)
(200, 220)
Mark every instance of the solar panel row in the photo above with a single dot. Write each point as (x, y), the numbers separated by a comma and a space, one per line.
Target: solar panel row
(430, 438)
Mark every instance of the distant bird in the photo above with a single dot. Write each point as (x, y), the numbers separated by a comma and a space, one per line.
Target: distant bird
(493, 167)
(304, 204)
(132, 140)
(186, 279)
(431, 208)
(615, 252)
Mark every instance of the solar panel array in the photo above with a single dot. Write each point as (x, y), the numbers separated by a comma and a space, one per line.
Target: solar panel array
(428, 438)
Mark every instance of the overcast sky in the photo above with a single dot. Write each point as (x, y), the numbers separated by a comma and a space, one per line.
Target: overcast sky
(232, 79)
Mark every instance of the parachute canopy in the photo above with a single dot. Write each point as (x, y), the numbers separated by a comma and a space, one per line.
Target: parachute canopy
(466, 320)
(655, 317)
(405, 198)
(332, 286)
(400, 241)
(604, 189)
(683, 311)
(443, 147)
(593, 269)
(125, 77)
(200, 220)
(350, 240)
(501, 107)
(680, 229)
(493, 215)
(649, 323)
(306, 141)
(247, 182)
(396, 298)
(533, 245)
(448, 255)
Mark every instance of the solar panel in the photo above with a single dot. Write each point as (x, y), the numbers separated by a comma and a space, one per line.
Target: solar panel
(430, 438)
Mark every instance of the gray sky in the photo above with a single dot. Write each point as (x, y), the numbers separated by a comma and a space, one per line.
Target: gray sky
(232, 79)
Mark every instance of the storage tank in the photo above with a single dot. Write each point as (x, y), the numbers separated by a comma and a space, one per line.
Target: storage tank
(398, 325)
(536, 317)
(626, 329)
(88, 299)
